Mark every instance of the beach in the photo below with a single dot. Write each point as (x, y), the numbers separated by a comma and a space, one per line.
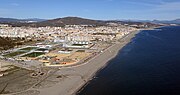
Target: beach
(69, 80)
(148, 65)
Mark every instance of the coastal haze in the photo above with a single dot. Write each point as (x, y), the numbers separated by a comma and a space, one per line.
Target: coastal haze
(105, 47)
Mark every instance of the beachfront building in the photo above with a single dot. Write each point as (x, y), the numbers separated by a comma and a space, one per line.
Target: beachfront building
(77, 44)
(65, 51)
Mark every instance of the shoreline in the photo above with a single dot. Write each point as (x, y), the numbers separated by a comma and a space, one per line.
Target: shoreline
(137, 32)
(79, 76)
(127, 40)
(75, 78)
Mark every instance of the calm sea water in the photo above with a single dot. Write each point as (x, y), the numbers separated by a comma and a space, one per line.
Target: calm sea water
(149, 65)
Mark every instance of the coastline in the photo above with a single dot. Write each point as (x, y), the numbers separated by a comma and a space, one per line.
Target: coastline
(78, 79)
(116, 48)
(89, 90)
(73, 79)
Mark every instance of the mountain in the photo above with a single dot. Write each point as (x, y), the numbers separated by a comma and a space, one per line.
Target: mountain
(33, 20)
(13, 20)
(2, 20)
(177, 21)
(131, 22)
(71, 21)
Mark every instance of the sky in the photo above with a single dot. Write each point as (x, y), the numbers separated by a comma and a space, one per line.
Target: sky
(92, 9)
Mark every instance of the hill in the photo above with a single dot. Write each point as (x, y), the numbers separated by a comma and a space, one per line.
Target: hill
(70, 21)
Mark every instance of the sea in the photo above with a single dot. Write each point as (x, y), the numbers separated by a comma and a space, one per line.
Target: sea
(148, 65)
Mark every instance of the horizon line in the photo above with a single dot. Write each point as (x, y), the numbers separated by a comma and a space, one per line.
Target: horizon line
(130, 19)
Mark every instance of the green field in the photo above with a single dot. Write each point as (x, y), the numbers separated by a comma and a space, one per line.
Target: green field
(28, 48)
(14, 54)
(34, 54)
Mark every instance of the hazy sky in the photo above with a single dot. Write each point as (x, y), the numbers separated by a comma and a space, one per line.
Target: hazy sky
(95, 9)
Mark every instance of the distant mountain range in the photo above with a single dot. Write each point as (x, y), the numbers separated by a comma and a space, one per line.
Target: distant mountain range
(10, 20)
(77, 21)
(54, 22)
(177, 21)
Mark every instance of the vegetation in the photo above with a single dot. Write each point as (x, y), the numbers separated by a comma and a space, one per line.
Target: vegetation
(34, 54)
(29, 48)
(6, 43)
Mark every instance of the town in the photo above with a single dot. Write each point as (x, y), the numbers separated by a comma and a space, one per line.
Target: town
(70, 45)
(89, 47)
(47, 50)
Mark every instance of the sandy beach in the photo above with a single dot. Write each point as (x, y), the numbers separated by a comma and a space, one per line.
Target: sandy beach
(69, 80)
